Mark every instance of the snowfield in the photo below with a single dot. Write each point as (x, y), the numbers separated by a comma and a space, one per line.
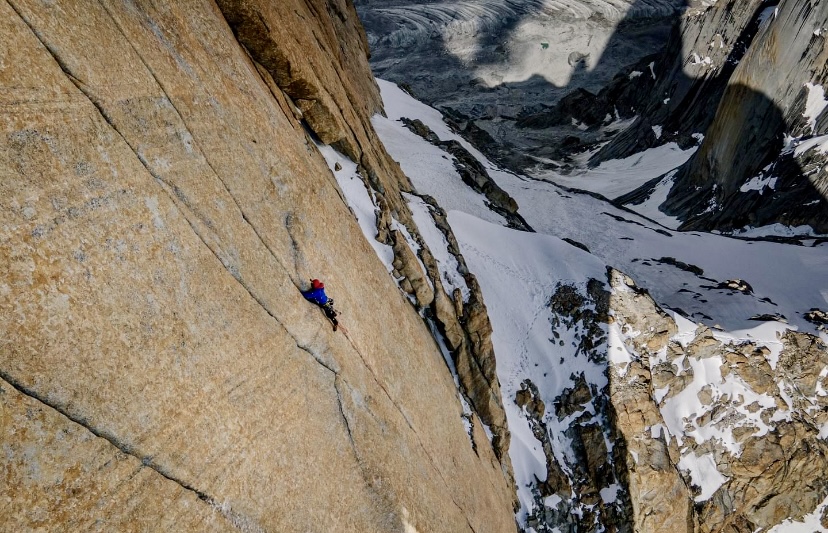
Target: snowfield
(617, 177)
(518, 273)
(698, 276)
(785, 279)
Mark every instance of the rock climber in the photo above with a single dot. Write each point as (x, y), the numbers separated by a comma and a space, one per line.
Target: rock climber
(317, 295)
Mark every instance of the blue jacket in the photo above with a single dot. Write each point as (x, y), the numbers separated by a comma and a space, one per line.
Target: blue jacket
(316, 296)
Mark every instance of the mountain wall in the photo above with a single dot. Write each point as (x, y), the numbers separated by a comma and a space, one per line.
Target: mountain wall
(163, 201)
(771, 108)
(745, 81)
(536, 86)
(688, 78)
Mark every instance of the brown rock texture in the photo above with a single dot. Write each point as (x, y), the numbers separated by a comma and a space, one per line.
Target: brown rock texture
(337, 103)
(678, 426)
(773, 474)
(659, 495)
(162, 205)
(54, 466)
(406, 264)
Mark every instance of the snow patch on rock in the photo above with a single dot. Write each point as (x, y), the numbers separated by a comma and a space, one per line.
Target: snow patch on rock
(360, 201)
(815, 104)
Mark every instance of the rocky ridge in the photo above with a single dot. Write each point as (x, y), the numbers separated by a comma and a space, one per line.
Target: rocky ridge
(474, 175)
(597, 376)
(706, 434)
(156, 231)
(710, 86)
(343, 121)
(757, 416)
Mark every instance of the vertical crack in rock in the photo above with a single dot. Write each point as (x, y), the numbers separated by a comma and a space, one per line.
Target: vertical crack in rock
(345, 422)
(203, 229)
(411, 427)
(253, 32)
(299, 262)
(173, 192)
(244, 523)
(201, 151)
(254, 35)
(383, 501)
(241, 522)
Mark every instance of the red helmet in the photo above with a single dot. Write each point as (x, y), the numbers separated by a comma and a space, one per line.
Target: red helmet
(316, 284)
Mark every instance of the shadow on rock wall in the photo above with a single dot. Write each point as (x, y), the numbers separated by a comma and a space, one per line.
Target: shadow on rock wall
(746, 171)
(746, 178)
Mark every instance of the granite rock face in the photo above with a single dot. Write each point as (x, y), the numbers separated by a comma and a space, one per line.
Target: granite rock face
(163, 201)
(746, 79)
(763, 159)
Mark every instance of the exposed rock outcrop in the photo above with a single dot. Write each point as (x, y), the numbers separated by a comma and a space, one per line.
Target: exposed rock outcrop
(55, 465)
(585, 487)
(464, 324)
(687, 430)
(467, 331)
(163, 202)
(761, 436)
(407, 266)
(658, 493)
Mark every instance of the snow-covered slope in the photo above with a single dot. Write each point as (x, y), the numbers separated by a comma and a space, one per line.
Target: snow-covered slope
(567, 341)
(786, 280)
